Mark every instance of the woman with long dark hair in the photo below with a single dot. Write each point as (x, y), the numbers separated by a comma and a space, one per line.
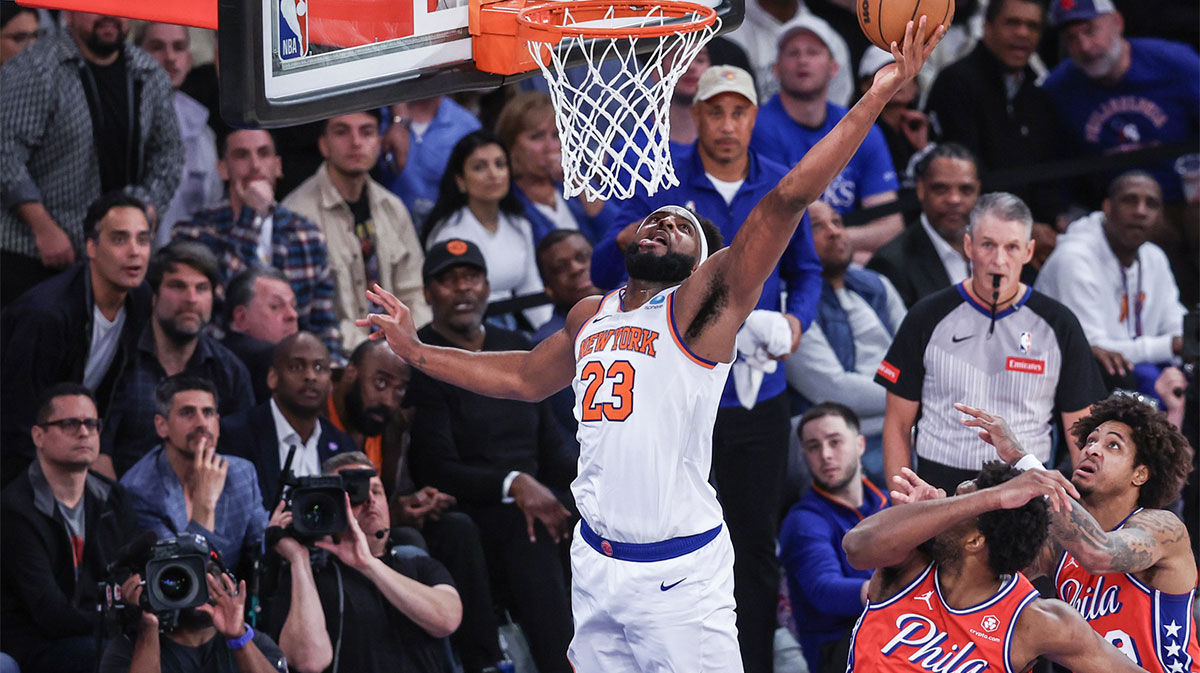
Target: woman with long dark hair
(476, 203)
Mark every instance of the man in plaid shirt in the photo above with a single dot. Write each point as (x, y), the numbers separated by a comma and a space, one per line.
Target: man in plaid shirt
(254, 229)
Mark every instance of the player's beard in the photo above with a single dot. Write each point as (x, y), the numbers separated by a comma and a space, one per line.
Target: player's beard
(672, 267)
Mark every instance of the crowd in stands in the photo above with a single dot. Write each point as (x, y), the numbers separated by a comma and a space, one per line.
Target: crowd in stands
(178, 307)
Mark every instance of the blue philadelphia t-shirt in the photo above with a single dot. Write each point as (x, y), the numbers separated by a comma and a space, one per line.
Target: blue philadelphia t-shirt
(870, 171)
(1157, 102)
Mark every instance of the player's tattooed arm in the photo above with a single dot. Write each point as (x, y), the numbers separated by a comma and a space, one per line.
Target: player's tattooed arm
(1140, 544)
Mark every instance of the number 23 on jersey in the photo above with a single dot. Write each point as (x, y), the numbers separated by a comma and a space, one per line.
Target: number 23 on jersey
(620, 375)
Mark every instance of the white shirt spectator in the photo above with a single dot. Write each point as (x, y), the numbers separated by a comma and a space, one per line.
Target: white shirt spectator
(105, 336)
(1083, 273)
(954, 261)
(307, 462)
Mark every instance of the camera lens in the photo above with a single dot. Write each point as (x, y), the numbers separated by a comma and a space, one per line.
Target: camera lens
(175, 583)
(319, 513)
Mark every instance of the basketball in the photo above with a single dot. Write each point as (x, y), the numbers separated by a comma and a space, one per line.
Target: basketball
(883, 21)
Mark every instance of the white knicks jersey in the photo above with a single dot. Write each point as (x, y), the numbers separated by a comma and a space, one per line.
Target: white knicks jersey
(646, 407)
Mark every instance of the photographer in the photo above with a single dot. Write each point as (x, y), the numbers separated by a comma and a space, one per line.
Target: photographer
(210, 638)
(62, 526)
(358, 607)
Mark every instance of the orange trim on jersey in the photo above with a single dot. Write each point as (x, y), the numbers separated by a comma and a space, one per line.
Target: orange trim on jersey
(708, 364)
(575, 339)
(841, 503)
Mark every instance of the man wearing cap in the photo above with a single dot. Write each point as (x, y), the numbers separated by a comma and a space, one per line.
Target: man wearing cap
(990, 103)
(1116, 95)
(499, 458)
(794, 119)
(722, 179)
(761, 27)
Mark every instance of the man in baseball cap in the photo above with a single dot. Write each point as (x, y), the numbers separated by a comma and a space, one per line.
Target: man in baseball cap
(451, 252)
(1116, 94)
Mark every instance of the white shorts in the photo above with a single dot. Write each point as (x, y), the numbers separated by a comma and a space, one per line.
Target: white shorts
(660, 616)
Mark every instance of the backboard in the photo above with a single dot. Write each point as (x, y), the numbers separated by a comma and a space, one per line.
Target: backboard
(285, 62)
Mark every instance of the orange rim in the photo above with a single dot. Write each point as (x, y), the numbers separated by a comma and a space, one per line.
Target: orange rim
(548, 18)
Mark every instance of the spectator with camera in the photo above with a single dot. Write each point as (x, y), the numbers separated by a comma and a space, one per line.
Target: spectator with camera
(366, 404)
(62, 527)
(299, 379)
(193, 642)
(360, 607)
(184, 485)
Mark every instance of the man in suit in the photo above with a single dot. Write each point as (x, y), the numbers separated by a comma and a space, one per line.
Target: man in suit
(299, 382)
(928, 255)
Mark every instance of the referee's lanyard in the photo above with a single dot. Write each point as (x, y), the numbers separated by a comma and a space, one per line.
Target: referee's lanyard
(1137, 300)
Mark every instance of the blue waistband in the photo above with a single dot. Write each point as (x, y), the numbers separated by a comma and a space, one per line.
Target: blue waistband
(649, 551)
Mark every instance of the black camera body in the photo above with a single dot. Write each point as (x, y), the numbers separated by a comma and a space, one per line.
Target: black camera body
(175, 573)
(317, 504)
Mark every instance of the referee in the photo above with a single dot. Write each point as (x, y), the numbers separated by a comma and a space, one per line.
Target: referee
(990, 342)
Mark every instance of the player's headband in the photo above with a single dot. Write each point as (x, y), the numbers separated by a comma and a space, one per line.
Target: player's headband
(680, 211)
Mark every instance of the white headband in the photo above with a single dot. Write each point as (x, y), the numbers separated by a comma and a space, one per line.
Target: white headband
(680, 211)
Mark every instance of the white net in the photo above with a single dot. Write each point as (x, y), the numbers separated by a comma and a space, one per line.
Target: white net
(612, 112)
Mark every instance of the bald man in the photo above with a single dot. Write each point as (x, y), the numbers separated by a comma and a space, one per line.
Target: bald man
(300, 383)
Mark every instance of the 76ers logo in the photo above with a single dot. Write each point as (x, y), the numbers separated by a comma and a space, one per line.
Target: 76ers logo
(293, 29)
(929, 649)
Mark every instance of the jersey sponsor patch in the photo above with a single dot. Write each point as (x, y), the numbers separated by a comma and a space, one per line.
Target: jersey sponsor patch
(1025, 365)
(888, 371)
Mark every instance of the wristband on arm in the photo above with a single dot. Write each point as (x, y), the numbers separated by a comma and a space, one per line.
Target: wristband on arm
(239, 643)
(1029, 462)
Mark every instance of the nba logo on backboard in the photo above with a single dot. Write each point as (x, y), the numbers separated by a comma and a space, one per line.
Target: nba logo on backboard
(293, 29)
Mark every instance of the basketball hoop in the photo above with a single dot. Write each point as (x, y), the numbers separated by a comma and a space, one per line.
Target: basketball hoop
(614, 123)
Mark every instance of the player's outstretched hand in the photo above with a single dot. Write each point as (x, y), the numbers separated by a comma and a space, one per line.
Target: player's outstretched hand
(995, 431)
(396, 325)
(1030, 484)
(911, 488)
(910, 56)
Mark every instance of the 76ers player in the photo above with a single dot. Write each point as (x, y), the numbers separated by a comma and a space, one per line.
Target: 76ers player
(1122, 560)
(958, 603)
(652, 566)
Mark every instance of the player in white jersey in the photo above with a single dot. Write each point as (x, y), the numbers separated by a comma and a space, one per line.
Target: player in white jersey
(652, 566)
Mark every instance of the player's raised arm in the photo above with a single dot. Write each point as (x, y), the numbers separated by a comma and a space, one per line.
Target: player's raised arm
(1149, 537)
(756, 249)
(888, 538)
(530, 376)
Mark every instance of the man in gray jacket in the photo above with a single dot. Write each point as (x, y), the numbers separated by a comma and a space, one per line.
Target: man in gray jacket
(84, 114)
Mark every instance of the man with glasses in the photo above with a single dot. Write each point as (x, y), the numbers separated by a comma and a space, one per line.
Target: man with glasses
(62, 527)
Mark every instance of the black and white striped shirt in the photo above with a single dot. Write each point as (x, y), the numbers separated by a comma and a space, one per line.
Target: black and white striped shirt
(1036, 362)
